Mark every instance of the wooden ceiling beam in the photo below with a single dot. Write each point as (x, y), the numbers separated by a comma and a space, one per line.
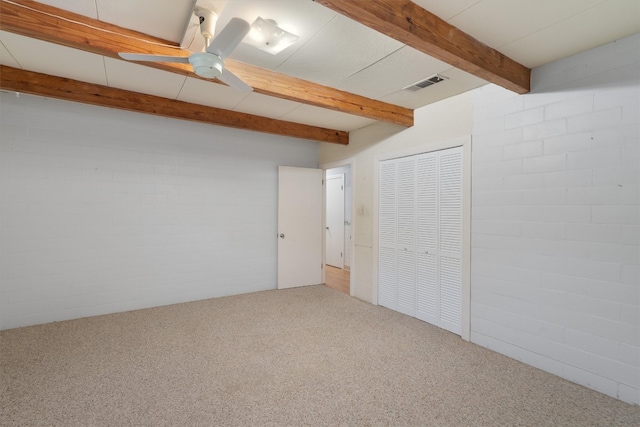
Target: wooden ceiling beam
(13, 79)
(410, 24)
(48, 23)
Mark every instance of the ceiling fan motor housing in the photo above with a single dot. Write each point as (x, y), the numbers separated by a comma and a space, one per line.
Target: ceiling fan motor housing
(207, 19)
(206, 65)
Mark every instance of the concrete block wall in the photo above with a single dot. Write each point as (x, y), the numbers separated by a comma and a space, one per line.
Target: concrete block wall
(556, 220)
(104, 211)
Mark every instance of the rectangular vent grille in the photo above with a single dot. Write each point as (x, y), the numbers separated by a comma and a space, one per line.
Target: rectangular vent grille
(425, 83)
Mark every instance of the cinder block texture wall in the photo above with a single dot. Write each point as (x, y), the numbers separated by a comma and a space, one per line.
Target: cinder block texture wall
(104, 211)
(555, 220)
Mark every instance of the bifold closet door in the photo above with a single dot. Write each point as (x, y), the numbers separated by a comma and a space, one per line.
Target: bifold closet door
(406, 243)
(450, 239)
(397, 235)
(420, 237)
(387, 232)
(427, 238)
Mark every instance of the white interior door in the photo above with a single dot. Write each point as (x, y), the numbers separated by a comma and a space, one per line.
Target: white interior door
(299, 227)
(335, 221)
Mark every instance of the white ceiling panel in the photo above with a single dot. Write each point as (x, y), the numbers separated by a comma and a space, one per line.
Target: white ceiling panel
(445, 9)
(402, 68)
(139, 78)
(302, 18)
(458, 82)
(609, 21)
(6, 58)
(330, 119)
(342, 48)
(267, 106)
(500, 22)
(203, 92)
(81, 7)
(53, 59)
(164, 19)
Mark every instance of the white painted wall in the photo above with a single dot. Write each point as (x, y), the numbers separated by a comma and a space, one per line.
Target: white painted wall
(555, 220)
(104, 211)
(447, 120)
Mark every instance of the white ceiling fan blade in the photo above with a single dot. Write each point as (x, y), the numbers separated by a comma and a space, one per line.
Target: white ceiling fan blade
(229, 38)
(153, 58)
(234, 81)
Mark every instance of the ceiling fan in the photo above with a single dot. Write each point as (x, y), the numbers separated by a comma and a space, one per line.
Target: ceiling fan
(210, 63)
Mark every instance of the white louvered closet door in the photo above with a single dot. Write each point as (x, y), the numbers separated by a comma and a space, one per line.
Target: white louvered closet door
(427, 238)
(420, 237)
(450, 239)
(387, 231)
(406, 191)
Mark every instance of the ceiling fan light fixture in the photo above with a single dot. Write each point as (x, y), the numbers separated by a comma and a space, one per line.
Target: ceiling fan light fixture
(206, 65)
(267, 36)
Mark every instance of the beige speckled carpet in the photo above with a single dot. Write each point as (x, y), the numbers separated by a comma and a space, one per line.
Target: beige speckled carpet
(300, 357)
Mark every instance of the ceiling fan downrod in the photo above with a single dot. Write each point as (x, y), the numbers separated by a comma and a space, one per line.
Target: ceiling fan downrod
(208, 19)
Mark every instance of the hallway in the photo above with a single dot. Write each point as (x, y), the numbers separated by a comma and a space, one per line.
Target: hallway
(337, 279)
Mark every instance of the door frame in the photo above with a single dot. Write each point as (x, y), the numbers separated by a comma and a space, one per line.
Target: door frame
(352, 261)
(465, 143)
(342, 178)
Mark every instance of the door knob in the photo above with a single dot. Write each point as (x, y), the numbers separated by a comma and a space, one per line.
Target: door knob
(282, 235)
(327, 228)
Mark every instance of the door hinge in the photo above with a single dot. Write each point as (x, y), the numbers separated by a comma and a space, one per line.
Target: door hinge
(323, 182)
(341, 187)
(340, 254)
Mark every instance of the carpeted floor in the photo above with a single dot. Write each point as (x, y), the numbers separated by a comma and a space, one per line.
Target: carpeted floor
(299, 357)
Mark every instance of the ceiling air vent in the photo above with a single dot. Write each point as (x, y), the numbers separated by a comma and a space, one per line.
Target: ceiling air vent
(425, 83)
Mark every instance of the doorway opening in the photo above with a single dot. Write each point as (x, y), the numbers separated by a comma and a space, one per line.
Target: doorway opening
(338, 230)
